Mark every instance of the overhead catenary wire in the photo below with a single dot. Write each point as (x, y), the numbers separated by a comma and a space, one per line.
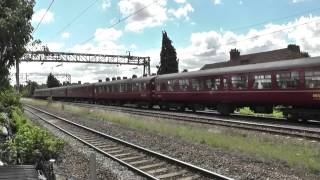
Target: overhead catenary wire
(275, 19)
(260, 23)
(38, 25)
(77, 17)
(279, 30)
(123, 19)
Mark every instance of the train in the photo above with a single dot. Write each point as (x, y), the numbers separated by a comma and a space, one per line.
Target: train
(293, 86)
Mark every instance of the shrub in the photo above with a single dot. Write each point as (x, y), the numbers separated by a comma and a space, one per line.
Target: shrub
(30, 143)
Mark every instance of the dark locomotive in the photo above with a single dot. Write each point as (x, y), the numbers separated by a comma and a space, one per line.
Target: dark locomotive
(291, 85)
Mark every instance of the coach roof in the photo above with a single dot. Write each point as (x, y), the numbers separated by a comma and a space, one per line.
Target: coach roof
(270, 66)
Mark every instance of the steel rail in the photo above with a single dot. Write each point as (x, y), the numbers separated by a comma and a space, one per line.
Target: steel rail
(192, 168)
(263, 127)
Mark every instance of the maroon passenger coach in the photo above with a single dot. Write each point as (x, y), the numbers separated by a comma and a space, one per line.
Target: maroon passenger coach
(292, 84)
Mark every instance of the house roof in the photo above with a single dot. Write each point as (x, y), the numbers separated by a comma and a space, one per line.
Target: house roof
(268, 56)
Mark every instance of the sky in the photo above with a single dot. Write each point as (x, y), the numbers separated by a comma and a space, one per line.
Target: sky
(202, 31)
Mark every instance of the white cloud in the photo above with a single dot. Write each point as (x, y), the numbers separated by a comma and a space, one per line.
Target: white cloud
(297, 1)
(54, 46)
(214, 46)
(107, 34)
(65, 35)
(240, 2)
(180, 1)
(216, 2)
(106, 4)
(37, 16)
(152, 16)
(182, 11)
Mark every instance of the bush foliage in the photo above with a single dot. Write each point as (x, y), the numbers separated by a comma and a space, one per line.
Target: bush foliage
(29, 143)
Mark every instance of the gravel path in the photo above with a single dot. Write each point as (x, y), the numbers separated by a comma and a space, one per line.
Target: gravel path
(232, 164)
(73, 162)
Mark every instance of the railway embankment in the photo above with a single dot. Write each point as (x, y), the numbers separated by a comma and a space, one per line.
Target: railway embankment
(238, 153)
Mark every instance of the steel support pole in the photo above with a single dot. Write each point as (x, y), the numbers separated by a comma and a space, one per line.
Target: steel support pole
(17, 76)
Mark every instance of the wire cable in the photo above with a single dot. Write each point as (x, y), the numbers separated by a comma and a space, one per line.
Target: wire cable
(123, 19)
(275, 19)
(257, 36)
(77, 17)
(43, 17)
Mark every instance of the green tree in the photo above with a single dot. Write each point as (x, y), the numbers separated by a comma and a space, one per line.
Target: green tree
(28, 89)
(15, 33)
(52, 81)
(168, 56)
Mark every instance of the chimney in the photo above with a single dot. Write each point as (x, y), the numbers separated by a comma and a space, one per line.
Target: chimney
(107, 79)
(294, 48)
(99, 80)
(79, 82)
(113, 79)
(134, 76)
(234, 54)
(124, 77)
(118, 78)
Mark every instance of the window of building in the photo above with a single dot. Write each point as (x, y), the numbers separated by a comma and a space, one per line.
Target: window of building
(183, 84)
(197, 84)
(262, 81)
(213, 84)
(287, 80)
(312, 79)
(239, 82)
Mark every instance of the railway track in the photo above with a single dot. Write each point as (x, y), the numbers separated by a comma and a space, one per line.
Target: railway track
(310, 132)
(146, 163)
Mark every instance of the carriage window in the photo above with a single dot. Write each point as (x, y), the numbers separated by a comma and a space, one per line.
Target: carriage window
(123, 88)
(115, 88)
(213, 84)
(129, 88)
(143, 86)
(100, 89)
(135, 87)
(108, 88)
(262, 81)
(183, 84)
(288, 79)
(239, 82)
(158, 86)
(312, 79)
(197, 84)
(225, 83)
(170, 85)
(163, 86)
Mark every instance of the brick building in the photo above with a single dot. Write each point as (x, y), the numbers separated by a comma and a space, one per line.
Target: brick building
(291, 52)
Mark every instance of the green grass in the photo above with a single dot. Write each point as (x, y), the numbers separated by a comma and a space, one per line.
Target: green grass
(247, 111)
(295, 153)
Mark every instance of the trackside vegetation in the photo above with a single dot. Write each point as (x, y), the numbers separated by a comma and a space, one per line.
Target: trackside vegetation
(294, 152)
(27, 143)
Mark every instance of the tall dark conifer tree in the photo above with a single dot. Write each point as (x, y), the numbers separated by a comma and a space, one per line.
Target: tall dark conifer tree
(168, 56)
(52, 81)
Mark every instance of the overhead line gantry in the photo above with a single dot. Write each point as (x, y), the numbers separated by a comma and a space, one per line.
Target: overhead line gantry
(67, 57)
